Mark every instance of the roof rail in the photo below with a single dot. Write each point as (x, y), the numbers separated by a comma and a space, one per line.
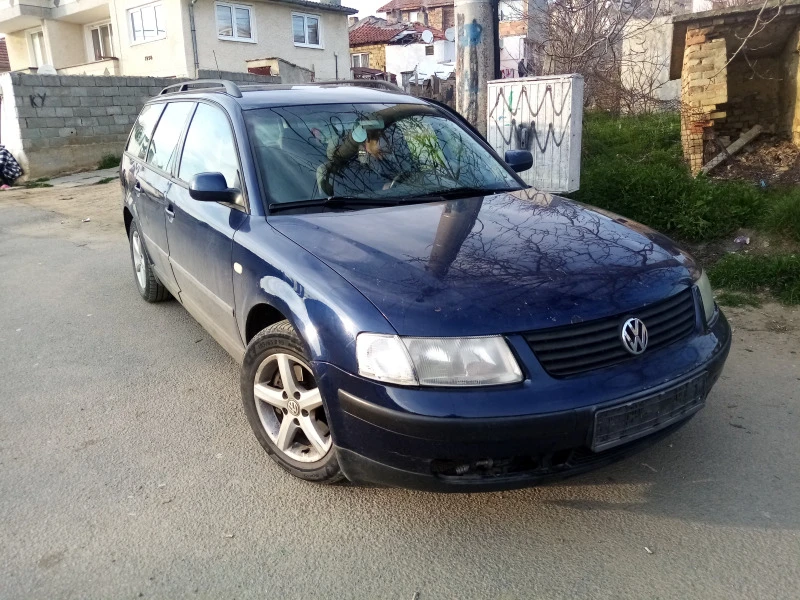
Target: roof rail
(230, 88)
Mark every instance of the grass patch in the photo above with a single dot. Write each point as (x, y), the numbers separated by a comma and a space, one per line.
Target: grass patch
(105, 180)
(108, 161)
(783, 213)
(737, 299)
(633, 165)
(779, 274)
(38, 183)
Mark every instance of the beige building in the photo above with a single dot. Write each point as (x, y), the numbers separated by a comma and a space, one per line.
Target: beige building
(165, 38)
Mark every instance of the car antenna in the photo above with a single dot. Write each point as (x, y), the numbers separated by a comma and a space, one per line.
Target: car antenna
(216, 63)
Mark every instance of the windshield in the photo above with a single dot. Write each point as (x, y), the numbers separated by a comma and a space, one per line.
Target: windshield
(367, 151)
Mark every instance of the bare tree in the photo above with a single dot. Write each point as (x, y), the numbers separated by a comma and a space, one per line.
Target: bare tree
(589, 37)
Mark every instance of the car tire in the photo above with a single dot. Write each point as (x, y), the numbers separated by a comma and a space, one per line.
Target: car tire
(290, 421)
(146, 280)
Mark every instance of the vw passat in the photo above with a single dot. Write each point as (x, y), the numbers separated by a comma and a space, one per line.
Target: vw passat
(406, 311)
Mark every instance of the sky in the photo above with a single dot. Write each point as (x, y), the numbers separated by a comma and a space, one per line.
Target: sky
(365, 7)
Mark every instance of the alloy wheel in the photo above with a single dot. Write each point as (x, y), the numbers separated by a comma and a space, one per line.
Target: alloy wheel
(289, 405)
(138, 259)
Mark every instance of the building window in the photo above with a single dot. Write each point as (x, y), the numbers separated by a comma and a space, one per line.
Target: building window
(429, 50)
(235, 22)
(147, 23)
(305, 29)
(37, 49)
(360, 60)
(101, 41)
(413, 16)
(512, 10)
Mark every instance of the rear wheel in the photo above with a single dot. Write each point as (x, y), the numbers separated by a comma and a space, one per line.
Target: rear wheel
(147, 283)
(284, 406)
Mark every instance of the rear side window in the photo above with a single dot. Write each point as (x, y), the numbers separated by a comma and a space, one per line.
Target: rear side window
(168, 131)
(209, 146)
(143, 129)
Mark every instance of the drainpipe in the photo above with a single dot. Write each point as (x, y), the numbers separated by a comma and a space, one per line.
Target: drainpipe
(194, 39)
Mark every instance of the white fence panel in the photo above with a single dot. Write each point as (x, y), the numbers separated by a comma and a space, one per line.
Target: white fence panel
(543, 115)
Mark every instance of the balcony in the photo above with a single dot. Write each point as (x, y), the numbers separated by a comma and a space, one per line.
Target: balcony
(23, 14)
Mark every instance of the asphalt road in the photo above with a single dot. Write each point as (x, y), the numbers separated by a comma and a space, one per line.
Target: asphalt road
(128, 470)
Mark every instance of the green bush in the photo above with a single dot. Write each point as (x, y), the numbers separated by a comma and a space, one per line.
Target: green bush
(108, 161)
(634, 166)
(780, 274)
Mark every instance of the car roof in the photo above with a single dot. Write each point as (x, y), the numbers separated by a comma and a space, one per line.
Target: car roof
(251, 97)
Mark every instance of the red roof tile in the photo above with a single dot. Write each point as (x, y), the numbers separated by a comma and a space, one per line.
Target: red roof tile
(369, 34)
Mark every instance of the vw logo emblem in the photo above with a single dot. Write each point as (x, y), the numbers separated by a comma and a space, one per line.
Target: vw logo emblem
(634, 336)
(293, 407)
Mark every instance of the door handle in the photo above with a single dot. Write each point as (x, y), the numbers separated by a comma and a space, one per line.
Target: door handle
(170, 212)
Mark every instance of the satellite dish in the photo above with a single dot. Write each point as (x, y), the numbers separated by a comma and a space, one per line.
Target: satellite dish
(450, 34)
(427, 36)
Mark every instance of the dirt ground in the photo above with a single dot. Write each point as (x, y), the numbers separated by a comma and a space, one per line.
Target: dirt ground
(767, 161)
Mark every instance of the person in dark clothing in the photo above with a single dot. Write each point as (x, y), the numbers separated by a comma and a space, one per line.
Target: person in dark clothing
(10, 170)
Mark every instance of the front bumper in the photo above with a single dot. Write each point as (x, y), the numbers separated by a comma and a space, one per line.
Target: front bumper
(510, 436)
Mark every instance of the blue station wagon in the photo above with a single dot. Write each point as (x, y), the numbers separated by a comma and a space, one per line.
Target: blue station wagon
(405, 309)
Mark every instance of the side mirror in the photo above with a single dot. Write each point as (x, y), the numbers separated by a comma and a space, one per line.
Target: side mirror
(519, 160)
(211, 187)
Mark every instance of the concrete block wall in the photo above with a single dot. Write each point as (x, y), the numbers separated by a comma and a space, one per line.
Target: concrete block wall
(55, 124)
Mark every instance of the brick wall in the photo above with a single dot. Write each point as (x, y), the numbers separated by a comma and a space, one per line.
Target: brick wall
(788, 102)
(377, 55)
(57, 124)
(508, 28)
(752, 99)
(703, 89)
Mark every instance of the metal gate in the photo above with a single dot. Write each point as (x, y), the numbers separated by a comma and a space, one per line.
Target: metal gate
(543, 115)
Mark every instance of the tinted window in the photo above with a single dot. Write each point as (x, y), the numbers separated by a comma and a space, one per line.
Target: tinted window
(209, 146)
(143, 129)
(169, 129)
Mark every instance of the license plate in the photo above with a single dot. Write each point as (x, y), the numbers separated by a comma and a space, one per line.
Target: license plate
(638, 418)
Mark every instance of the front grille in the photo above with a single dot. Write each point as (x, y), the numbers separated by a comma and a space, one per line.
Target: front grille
(574, 349)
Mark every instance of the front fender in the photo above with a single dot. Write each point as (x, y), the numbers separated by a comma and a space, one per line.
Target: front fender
(326, 310)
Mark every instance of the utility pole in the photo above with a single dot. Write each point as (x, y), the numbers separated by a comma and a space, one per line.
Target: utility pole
(476, 50)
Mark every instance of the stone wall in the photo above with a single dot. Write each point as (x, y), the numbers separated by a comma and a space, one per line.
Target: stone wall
(377, 55)
(58, 124)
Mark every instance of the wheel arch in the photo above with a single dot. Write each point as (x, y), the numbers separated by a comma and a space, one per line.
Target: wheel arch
(259, 317)
(127, 217)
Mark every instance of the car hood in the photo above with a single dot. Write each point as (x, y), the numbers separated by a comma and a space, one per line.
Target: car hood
(501, 263)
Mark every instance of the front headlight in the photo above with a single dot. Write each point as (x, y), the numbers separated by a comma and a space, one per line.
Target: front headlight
(470, 361)
(706, 295)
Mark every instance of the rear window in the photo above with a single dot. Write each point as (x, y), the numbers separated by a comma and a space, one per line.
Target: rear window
(168, 131)
(143, 130)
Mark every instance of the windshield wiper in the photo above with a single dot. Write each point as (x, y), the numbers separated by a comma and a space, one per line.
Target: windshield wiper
(332, 202)
(463, 192)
